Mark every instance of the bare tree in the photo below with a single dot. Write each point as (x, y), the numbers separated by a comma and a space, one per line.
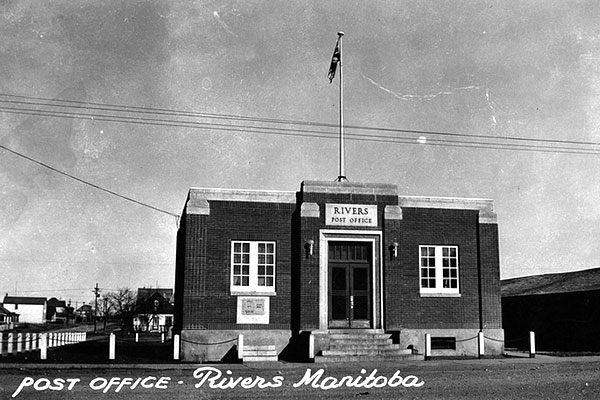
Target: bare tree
(103, 310)
(122, 304)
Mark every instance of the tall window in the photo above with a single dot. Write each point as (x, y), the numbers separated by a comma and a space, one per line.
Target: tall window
(252, 266)
(439, 269)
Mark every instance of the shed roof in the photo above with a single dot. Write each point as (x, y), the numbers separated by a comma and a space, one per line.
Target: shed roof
(565, 282)
(155, 304)
(145, 293)
(24, 300)
(56, 302)
(4, 311)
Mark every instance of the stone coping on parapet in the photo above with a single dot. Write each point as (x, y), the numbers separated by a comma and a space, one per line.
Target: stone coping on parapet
(199, 197)
(484, 206)
(382, 189)
(269, 196)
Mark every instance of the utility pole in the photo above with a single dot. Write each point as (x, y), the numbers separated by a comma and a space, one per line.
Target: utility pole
(68, 312)
(105, 312)
(96, 292)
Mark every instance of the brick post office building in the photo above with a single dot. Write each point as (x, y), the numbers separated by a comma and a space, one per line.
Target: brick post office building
(334, 271)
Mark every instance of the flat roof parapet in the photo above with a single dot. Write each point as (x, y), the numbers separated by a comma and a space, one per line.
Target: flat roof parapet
(268, 196)
(382, 189)
(198, 198)
(484, 206)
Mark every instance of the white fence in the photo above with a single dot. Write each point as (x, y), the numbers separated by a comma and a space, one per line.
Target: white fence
(14, 343)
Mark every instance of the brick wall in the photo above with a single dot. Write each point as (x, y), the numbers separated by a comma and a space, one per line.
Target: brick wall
(206, 284)
(490, 276)
(308, 276)
(404, 306)
(190, 279)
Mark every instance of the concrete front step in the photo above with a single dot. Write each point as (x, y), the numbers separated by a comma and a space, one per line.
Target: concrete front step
(260, 353)
(351, 358)
(363, 346)
(390, 347)
(360, 342)
(370, 346)
(260, 347)
(367, 352)
(359, 336)
(259, 358)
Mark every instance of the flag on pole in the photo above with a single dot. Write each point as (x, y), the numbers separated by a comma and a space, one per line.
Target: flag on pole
(335, 59)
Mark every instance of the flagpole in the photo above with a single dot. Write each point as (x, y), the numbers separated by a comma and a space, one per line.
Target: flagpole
(342, 175)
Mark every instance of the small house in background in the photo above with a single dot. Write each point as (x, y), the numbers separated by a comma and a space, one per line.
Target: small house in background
(56, 310)
(84, 313)
(144, 293)
(153, 310)
(30, 309)
(7, 319)
(562, 309)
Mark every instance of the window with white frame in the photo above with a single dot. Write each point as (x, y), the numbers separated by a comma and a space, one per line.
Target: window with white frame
(439, 269)
(252, 266)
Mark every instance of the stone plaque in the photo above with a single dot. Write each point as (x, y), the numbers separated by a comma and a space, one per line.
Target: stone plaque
(252, 310)
(253, 306)
(351, 215)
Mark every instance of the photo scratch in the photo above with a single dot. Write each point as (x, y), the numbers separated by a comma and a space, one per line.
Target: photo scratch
(402, 96)
(490, 105)
(223, 24)
(421, 97)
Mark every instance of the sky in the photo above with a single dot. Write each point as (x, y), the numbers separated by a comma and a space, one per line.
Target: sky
(497, 69)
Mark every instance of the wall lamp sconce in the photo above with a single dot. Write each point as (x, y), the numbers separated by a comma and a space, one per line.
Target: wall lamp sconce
(308, 248)
(394, 250)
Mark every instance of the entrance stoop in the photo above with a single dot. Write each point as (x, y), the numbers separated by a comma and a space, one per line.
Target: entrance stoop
(260, 353)
(363, 346)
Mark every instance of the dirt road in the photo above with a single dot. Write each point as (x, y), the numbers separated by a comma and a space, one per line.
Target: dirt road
(540, 378)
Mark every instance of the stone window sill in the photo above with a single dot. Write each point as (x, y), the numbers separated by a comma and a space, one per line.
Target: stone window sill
(440, 295)
(242, 293)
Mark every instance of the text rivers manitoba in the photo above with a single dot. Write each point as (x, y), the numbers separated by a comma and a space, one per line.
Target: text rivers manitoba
(215, 379)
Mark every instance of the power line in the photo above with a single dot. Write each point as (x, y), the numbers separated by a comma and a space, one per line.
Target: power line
(85, 289)
(549, 145)
(280, 121)
(16, 260)
(172, 112)
(322, 134)
(151, 121)
(54, 290)
(153, 110)
(328, 135)
(88, 183)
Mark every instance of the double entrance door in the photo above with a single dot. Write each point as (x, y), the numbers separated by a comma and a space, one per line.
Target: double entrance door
(350, 287)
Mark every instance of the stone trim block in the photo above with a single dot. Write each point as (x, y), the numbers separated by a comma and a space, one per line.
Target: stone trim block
(199, 207)
(393, 212)
(310, 210)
